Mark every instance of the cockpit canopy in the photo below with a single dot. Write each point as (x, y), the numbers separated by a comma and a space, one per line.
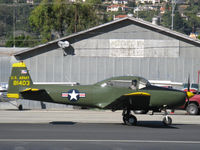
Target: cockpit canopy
(129, 82)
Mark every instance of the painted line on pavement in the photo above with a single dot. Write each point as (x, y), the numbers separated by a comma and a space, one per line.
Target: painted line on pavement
(87, 140)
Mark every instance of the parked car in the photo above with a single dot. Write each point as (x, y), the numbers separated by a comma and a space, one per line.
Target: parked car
(193, 105)
(194, 87)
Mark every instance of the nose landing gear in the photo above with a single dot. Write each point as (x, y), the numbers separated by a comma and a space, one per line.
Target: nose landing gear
(167, 120)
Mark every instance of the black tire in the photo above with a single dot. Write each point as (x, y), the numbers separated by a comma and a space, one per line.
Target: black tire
(124, 120)
(140, 111)
(192, 109)
(130, 120)
(167, 120)
(20, 107)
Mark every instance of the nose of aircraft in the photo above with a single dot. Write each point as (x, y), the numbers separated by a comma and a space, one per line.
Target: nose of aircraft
(179, 97)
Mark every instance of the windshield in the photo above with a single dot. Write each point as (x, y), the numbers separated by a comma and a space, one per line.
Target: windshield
(138, 83)
(185, 85)
(195, 86)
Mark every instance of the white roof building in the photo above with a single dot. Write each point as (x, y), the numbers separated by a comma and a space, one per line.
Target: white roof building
(120, 2)
(149, 1)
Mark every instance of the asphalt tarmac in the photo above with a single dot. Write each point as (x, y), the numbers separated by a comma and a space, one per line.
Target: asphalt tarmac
(67, 134)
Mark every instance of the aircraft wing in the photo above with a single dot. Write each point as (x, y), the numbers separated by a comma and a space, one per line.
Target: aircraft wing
(135, 101)
(36, 94)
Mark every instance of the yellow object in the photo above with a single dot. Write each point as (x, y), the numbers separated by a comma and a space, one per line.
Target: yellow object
(30, 89)
(13, 95)
(19, 64)
(190, 94)
(34, 89)
(138, 94)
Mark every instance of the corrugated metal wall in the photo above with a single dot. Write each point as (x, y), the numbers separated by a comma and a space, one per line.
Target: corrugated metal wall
(88, 70)
(4, 68)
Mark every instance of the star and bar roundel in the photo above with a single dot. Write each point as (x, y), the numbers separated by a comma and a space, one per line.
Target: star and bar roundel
(73, 95)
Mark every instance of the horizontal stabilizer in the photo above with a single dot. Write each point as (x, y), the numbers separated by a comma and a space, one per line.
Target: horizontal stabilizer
(36, 94)
(30, 89)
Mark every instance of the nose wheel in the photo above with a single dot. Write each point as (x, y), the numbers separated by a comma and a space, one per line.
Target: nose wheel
(167, 120)
(128, 118)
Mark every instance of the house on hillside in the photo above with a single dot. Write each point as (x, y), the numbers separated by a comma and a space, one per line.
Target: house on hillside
(119, 17)
(148, 1)
(120, 2)
(115, 8)
(30, 1)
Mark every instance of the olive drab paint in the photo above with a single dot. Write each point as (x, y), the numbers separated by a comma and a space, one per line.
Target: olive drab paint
(19, 78)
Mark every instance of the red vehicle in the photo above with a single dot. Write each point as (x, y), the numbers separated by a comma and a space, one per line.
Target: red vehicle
(193, 105)
(193, 87)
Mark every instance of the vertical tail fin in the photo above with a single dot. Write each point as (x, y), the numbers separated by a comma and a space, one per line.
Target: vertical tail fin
(19, 79)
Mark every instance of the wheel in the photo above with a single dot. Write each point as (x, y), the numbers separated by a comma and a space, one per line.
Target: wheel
(140, 111)
(192, 109)
(130, 120)
(167, 120)
(124, 120)
(20, 107)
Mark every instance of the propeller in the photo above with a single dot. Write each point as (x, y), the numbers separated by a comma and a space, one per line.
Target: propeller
(188, 88)
(189, 94)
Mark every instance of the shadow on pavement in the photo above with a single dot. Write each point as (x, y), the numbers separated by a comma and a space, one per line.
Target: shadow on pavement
(62, 123)
(146, 124)
(155, 124)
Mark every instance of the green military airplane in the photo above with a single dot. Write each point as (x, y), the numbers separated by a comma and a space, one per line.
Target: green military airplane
(127, 93)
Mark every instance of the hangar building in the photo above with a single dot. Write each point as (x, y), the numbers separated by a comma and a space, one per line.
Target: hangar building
(127, 46)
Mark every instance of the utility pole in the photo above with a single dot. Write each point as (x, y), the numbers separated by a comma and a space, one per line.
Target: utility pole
(14, 18)
(76, 15)
(137, 9)
(173, 8)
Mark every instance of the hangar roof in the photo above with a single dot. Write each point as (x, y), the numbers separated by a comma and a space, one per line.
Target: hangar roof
(139, 22)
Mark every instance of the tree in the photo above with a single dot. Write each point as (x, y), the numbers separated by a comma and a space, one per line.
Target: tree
(94, 2)
(37, 1)
(6, 19)
(6, 1)
(62, 17)
(20, 41)
(166, 20)
(178, 22)
(193, 20)
(42, 19)
(147, 15)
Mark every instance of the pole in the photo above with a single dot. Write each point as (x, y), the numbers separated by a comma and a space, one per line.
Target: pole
(173, 8)
(75, 26)
(137, 9)
(14, 24)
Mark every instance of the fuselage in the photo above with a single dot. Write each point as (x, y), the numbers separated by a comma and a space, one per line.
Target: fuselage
(101, 96)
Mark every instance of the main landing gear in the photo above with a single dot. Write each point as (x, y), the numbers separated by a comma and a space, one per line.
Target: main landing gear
(128, 118)
(20, 107)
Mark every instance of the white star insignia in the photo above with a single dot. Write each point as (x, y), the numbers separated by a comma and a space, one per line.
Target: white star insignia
(73, 95)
